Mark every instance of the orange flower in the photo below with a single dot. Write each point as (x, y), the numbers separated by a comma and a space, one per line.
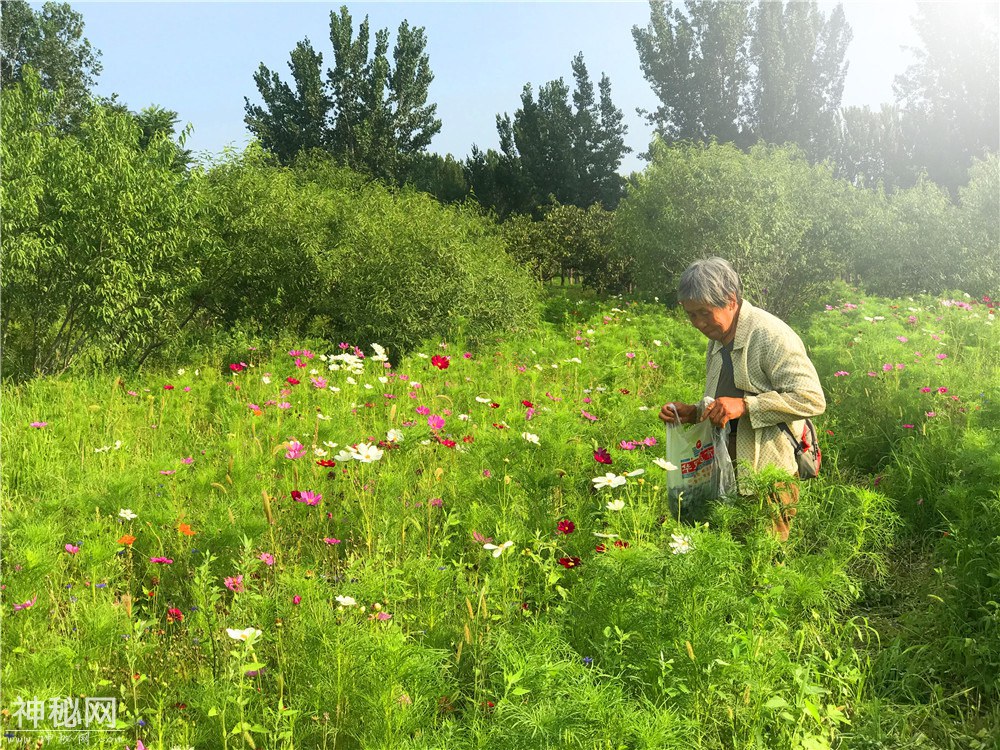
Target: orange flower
(185, 529)
(126, 539)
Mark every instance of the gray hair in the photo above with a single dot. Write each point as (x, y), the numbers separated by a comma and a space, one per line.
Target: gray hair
(710, 280)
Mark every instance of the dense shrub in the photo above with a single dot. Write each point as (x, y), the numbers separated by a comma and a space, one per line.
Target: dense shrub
(782, 223)
(96, 235)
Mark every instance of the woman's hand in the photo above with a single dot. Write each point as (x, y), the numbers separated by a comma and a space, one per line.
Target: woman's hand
(687, 413)
(723, 409)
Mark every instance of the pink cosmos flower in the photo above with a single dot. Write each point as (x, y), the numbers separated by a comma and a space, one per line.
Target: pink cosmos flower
(942, 389)
(872, 374)
(187, 389)
(942, 356)
(529, 414)
(626, 445)
(161, 560)
(467, 355)
(383, 616)
(235, 584)
(841, 374)
(318, 382)
(26, 605)
(930, 414)
(72, 549)
(926, 389)
(435, 422)
(588, 415)
(168, 472)
(630, 355)
(189, 460)
(307, 496)
(39, 425)
(902, 339)
(907, 426)
(267, 558)
(886, 367)
(649, 442)
(423, 410)
(296, 599)
(295, 450)
(331, 541)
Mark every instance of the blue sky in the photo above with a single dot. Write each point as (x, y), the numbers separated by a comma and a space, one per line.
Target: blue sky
(198, 58)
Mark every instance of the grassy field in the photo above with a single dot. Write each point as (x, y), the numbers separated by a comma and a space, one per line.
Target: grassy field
(290, 546)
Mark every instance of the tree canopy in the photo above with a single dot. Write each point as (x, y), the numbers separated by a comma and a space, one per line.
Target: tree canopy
(371, 113)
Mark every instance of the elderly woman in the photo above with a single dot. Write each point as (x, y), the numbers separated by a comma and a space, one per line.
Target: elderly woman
(758, 372)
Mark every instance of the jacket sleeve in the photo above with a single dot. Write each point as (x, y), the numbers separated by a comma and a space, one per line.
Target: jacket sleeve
(795, 392)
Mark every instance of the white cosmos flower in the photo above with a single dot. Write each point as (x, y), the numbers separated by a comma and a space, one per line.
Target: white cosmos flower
(636, 473)
(334, 388)
(577, 360)
(181, 371)
(464, 417)
(367, 453)
(322, 416)
(383, 379)
(351, 381)
(664, 464)
(422, 355)
(414, 384)
(643, 408)
(368, 386)
(530, 437)
(616, 505)
(329, 444)
(314, 371)
(681, 544)
(344, 456)
(498, 549)
(591, 331)
(482, 400)
(657, 342)
(265, 380)
(599, 535)
(609, 480)
(127, 514)
(346, 601)
(394, 436)
(333, 367)
(319, 452)
(380, 355)
(247, 636)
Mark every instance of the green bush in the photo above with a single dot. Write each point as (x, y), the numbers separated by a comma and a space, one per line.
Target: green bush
(97, 247)
(783, 224)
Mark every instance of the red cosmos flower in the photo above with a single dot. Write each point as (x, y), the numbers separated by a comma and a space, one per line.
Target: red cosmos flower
(168, 387)
(569, 562)
(528, 404)
(175, 615)
(500, 425)
(494, 405)
(623, 390)
(326, 462)
(621, 543)
(602, 456)
(446, 443)
(237, 366)
(291, 381)
(440, 362)
(566, 526)
(296, 495)
(600, 548)
(468, 439)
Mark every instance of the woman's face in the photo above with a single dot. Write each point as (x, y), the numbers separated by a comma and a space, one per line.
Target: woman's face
(717, 323)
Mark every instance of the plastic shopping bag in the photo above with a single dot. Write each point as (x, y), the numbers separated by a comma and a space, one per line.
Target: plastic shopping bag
(701, 468)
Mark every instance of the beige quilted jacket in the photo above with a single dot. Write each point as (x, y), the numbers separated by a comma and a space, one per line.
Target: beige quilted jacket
(771, 366)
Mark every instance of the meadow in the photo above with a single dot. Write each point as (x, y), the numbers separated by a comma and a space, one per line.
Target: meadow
(299, 544)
